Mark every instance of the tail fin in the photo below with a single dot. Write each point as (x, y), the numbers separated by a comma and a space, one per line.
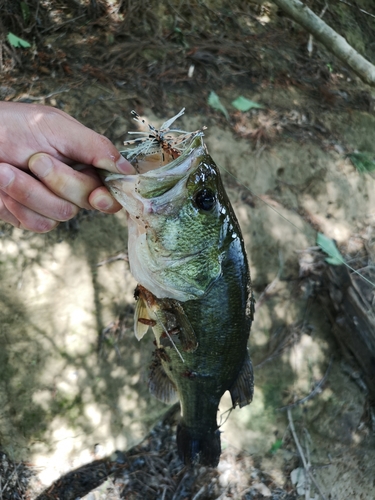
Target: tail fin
(193, 449)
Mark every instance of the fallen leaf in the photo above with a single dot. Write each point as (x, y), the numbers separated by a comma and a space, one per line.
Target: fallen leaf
(329, 247)
(214, 102)
(15, 41)
(244, 104)
(262, 488)
(298, 478)
(363, 162)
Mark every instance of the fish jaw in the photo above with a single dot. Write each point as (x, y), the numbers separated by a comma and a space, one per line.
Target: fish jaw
(150, 186)
(157, 192)
(160, 214)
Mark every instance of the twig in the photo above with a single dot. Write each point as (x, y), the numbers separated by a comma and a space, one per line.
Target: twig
(302, 455)
(294, 434)
(110, 123)
(229, 411)
(11, 52)
(180, 484)
(40, 98)
(313, 393)
(164, 492)
(9, 478)
(277, 351)
(197, 495)
(355, 7)
(311, 38)
(120, 256)
(308, 485)
(266, 291)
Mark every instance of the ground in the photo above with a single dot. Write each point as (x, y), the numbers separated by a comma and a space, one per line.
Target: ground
(73, 379)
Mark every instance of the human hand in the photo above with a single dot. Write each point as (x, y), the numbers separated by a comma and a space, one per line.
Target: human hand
(38, 185)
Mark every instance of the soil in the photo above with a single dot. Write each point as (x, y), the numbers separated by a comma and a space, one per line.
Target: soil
(73, 379)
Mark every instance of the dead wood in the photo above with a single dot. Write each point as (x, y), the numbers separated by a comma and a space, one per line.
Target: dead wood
(353, 320)
(334, 42)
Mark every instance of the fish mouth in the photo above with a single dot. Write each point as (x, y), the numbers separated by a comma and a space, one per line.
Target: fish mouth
(155, 190)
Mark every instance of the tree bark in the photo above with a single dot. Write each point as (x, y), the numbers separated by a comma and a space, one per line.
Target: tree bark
(335, 43)
(350, 309)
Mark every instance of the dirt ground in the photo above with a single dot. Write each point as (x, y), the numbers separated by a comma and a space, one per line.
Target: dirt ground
(73, 379)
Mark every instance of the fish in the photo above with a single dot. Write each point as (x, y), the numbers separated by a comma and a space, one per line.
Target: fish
(187, 254)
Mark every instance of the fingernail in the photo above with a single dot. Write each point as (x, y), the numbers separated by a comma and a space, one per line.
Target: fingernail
(121, 165)
(124, 166)
(41, 165)
(106, 164)
(102, 202)
(6, 176)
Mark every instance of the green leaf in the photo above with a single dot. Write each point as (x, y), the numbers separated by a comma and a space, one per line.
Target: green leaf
(329, 247)
(244, 104)
(276, 446)
(17, 42)
(214, 102)
(363, 162)
(25, 11)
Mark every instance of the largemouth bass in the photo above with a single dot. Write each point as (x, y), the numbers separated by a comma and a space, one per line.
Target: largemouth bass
(187, 253)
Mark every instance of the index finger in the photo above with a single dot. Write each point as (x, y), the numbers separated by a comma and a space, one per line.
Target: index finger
(94, 149)
(78, 143)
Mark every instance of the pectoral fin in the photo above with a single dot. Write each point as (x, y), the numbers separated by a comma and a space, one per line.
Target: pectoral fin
(167, 316)
(243, 388)
(160, 384)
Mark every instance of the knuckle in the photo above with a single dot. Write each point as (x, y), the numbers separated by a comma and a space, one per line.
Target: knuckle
(3, 209)
(6, 215)
(105, 146)
(104, 140)
(39, 225)
(45, 225)
(67, 211)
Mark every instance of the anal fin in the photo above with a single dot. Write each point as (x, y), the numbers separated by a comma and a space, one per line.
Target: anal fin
(243, 388)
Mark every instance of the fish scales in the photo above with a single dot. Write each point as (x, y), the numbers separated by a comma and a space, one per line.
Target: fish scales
(187, 253)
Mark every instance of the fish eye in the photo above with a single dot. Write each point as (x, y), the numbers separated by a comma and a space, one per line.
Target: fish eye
(205, 199)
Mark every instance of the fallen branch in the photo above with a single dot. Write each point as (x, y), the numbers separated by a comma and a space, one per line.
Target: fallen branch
(334, 42)
(41, 97)
(306, 466)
